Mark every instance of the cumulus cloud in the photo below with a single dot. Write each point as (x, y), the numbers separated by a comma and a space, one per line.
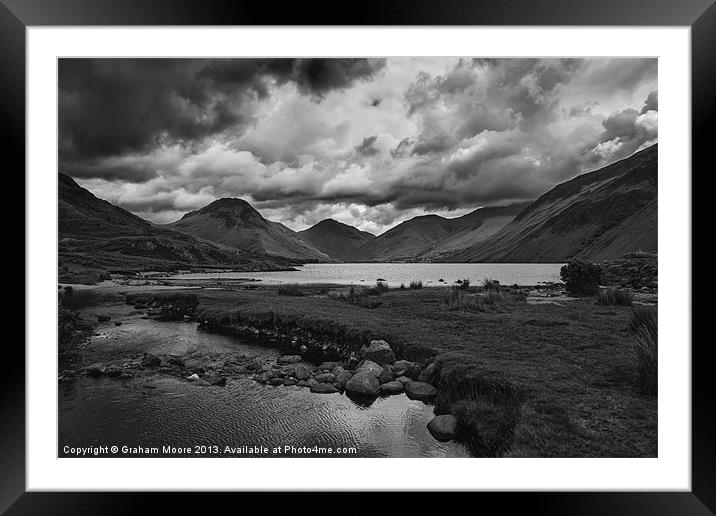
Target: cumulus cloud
(368, 142)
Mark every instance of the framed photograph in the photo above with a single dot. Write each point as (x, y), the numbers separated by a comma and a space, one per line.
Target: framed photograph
(432, 250)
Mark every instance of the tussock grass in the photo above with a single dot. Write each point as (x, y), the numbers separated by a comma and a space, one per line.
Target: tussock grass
(290, 289)
(456, 300)
(490, 284)
(644, 325)
(615, 296)
(464, 284)
(494, 297)
(416, 284)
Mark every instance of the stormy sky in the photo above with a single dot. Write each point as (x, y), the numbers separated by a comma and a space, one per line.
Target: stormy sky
(368, 142)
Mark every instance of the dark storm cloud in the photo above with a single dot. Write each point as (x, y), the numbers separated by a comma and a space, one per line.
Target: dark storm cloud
(651, 103)
(110, 107)
(367, 146)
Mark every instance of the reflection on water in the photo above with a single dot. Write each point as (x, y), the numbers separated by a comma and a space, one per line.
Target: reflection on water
(101, 411)
(396, 273)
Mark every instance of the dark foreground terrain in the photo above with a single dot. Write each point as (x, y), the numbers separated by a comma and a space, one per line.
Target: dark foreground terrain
(524, 372)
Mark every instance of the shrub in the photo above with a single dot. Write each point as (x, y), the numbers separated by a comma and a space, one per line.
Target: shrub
(644, 325)
(581, 278)
(465, 284)
(416, 284)
(615, 296)
(402, 286)
(490, 284)
(381, 285)
(290, 289)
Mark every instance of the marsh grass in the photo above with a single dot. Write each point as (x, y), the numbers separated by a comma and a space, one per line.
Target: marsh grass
(645, 327)
(615, 296)
(416, 284)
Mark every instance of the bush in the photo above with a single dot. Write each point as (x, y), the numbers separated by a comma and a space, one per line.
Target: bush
(402, 286)
(644, 325)
(465, 284)
(581, 278)
(615, 296)
(359, 296)
(290, 289)
(416, 284)
(381, 285)
(490, 284)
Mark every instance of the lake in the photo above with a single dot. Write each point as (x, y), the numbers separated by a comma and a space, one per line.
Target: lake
(396, 273)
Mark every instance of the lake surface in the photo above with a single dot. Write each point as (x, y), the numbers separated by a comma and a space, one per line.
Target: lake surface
(396, 273)
(174, 412)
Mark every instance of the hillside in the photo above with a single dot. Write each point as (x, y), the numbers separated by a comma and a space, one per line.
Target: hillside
(97, 236)
(335, 239)
(235, 223)
(429, 237)
(599, 215)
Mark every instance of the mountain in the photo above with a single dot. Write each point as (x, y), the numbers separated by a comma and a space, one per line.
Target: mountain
(429, 237)
(235, 223)
(336, 239)
(599, 215)
(97, 235)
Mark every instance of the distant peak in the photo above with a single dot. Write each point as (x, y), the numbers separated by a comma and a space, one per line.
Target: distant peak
(225, 207)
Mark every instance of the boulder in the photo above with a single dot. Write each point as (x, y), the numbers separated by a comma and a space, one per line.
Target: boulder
(301, 372)
(193, 377)
(103, 318)
(443, 428)
(113, 371)
(95, 369)
(290, 381)
(342, 378)
(177, 361)
(420, 390)
(379, 352)
(429, 374)
(386, 375)
(337, 370)
(325, 378)
(368, 366)
(403, 379)
(288, 359)
(254, 365)
(264, 377)
(149, 360)
(405, 368)
(363, 383)
(217, 380)
(275, 381)
(324, 388)
(394, 387)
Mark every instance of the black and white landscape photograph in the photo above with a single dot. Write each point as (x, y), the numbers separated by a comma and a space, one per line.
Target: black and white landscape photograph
(357, 257)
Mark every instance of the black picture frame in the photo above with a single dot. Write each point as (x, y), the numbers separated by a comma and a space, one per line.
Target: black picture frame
(700, 15)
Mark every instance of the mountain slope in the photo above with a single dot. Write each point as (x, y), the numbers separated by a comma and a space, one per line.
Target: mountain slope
(599, 215)
(235, 223)
(430, 237)
(96, 234)
(335, 239)
(407, 240)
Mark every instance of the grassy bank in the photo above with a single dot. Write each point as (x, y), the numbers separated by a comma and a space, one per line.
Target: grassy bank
(548, 379)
